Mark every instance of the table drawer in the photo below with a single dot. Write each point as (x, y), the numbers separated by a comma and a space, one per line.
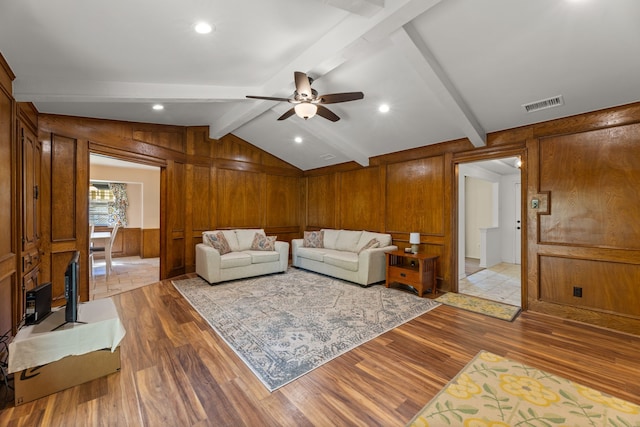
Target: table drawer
(403, 275)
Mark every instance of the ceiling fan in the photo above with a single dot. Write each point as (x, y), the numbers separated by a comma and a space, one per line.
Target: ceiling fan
(307, 101)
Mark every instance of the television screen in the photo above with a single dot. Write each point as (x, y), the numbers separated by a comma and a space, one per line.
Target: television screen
(71, 289)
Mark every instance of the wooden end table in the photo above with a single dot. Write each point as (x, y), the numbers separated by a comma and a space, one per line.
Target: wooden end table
(416, 270)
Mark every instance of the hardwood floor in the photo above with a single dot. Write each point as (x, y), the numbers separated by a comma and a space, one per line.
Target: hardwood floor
(177, 371)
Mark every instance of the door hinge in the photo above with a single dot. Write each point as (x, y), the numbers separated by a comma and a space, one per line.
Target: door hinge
(36, 191)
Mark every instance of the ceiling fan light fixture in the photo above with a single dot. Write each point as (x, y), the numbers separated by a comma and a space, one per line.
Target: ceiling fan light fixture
(306, 110)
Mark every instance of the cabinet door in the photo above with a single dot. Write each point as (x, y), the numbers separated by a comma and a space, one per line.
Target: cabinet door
(31, 152)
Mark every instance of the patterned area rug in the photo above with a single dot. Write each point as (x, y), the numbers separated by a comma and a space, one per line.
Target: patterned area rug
(498, 392)
(480, 305)
(285, 325)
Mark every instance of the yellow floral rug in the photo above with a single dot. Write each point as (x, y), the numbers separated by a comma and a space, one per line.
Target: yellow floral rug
(480, 305)
(492, 391)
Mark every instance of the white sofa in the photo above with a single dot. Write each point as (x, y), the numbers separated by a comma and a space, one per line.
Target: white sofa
(356, 256)
(245, 258)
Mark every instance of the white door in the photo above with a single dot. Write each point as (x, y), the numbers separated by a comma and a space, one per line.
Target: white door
(518, 224)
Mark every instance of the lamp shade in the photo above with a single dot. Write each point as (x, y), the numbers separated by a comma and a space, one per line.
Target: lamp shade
(306, 110)
(414, 238)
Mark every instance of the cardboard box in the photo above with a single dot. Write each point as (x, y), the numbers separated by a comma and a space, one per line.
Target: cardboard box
(34, 383)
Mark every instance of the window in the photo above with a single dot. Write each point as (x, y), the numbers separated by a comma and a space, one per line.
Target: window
(99, 197)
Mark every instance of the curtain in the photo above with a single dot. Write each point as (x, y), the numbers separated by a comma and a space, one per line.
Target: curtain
(118, 206)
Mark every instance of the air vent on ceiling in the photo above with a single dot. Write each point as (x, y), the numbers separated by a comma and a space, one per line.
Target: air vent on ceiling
(327, 156)
(543, 104)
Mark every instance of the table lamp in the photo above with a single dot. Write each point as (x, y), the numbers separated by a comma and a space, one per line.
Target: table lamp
(414, 239)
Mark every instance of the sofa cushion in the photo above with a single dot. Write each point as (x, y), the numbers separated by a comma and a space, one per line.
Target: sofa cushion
(373, 243)
(245, 237)
(235, 259)
(316, 254)
(348, 240)
(329, 238)
(313, 239)
(384, 239)
(260, 256)
(217, 241)
(263, 243)
(342, 259)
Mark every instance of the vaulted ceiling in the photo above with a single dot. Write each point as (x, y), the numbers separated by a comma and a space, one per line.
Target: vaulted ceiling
(448, 69)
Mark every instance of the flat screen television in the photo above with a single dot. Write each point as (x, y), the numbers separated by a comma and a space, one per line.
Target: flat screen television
(71, 276)
(71, 289)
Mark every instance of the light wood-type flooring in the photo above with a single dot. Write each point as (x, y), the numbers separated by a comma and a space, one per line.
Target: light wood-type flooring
(127, 273)
(176, 371)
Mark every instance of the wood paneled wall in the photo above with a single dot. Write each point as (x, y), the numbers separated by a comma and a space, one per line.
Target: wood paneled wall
(205, 184)
(403, 196)
(583, 170)
(585, 235)
(8, 225)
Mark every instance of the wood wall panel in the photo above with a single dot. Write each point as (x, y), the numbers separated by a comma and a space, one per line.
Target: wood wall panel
(171, 137)
(8, 201)
(202, 198)
(416, 197)
(150, 243)
(7, 172)
(593, 185)
(321, 201)
(241, 199)
(605, 285)
(282, 202)
(231, 147)
(176, 218)
(63, 197)
(360, 200)
(6, 298)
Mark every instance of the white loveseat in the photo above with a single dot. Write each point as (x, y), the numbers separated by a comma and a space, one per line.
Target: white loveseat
(238, 254)
(356, 256)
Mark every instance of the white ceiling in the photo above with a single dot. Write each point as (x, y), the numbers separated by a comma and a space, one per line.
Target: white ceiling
(448, 68)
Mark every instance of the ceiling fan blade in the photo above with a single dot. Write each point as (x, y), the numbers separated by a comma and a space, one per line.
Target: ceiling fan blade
(288, 114)
(268, 98)
(303, 87)
(327, 114)
(333, 98)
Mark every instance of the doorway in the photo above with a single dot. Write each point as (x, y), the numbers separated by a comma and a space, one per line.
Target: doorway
(136, 249)
(490, 229)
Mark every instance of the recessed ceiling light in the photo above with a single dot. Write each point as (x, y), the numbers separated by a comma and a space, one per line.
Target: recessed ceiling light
(383, 108)
(158, 107)
(298, 139)
(202, 28)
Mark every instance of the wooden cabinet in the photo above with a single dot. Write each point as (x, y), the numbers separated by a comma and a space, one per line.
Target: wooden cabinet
(29, 231)
(416, 270)
(8, 169)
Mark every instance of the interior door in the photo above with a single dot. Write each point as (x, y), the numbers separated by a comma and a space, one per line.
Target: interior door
(517, 244)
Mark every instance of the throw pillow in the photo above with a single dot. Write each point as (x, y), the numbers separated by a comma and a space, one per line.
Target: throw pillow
(263, 243)
(218, 242)
(373, 243)
(313, 239)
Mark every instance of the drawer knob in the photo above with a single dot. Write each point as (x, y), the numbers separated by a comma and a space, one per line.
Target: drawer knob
(403, 275)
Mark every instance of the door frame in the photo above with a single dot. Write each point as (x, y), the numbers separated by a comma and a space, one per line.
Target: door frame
(482, 154)
(95, 148)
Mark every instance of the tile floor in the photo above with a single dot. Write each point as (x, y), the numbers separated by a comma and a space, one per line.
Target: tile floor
(498, 283)
(128, 273)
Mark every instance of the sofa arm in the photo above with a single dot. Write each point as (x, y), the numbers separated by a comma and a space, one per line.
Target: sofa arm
(208, 263)
(372, 264)
(283, 249)
(295, 244)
